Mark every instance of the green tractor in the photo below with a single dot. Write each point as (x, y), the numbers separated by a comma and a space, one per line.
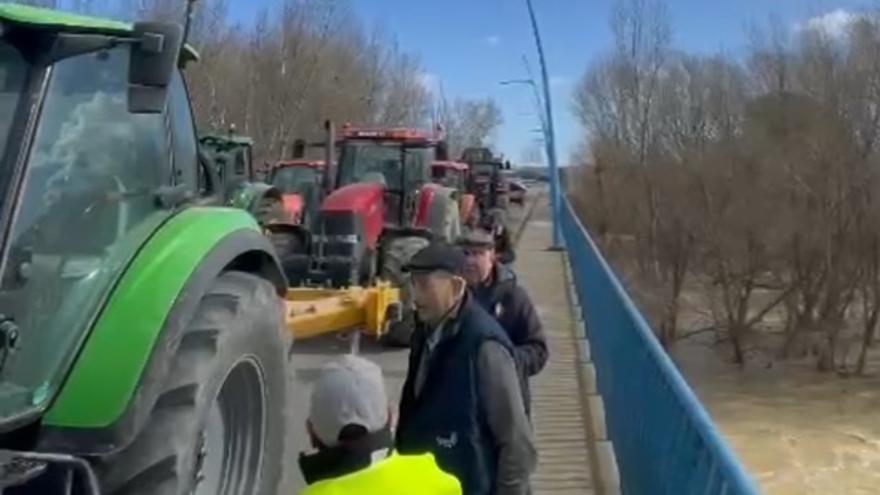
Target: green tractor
(141, 342)
(232, 158)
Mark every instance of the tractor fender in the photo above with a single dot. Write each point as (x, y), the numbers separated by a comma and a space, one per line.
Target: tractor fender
(428, 196)
(115, 381)
(438, 211)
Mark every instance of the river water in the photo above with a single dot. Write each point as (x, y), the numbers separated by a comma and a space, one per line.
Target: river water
(798, 431)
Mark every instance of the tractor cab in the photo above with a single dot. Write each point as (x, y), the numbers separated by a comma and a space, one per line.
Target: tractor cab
(487, 178)
(397, 159)
(232, 157)
(300, 184)
(121, 286)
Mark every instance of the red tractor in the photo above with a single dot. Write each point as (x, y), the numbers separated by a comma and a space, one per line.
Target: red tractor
(383, 208)
(301, 185)
(455, 175)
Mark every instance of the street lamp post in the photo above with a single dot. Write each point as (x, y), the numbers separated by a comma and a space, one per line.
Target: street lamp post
(551, 136)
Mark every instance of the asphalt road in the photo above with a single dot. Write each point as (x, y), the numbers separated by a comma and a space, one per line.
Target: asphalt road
(308, 357)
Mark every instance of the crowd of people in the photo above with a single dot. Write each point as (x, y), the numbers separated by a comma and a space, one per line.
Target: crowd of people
(463, 423)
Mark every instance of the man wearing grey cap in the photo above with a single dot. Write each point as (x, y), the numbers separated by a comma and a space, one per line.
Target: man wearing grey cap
(462, 398)
(350, 426)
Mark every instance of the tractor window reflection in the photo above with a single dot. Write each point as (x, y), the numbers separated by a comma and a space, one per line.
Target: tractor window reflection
(12, 76)
(87, 205)
(292, 180)
(359, 161)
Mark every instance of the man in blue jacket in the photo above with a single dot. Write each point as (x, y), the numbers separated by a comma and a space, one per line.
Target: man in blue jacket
(462, 398)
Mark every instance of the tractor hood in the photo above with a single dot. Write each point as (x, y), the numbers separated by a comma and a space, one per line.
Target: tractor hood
(359, 197)
(357, 209)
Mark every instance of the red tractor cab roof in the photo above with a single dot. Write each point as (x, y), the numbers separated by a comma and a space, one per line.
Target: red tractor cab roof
(457, 166)
(316, 164)
(408, 136)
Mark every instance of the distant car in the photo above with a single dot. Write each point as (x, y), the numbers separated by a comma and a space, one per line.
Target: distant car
(518, 192)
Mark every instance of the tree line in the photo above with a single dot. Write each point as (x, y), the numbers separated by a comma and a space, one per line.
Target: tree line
(278, 78)
(751, 180)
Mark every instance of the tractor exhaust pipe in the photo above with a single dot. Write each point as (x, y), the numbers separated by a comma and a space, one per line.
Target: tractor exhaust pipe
(329, 158)
(299, 149)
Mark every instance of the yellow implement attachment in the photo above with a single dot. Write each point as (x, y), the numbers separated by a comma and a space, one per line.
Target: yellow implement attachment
(312, 312)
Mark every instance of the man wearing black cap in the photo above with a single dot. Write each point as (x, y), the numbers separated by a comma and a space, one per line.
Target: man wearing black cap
(462, 398)
(495, 288)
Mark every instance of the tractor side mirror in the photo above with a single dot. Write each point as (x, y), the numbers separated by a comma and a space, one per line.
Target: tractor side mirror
(299, 149)
(442, 151)
(153, 60)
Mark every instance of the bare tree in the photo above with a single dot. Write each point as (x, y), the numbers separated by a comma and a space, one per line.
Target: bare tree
(756, 180)
(471, 123)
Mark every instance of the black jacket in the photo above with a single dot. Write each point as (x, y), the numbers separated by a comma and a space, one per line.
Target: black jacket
(504, 247)
(510, 304)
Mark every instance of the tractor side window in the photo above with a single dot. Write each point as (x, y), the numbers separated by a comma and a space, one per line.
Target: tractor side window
(418, 163)
(240, 167)
(87, 204)
(183, 134)
(13, 69)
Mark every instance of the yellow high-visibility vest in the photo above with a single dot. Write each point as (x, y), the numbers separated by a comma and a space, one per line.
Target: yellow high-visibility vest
(396, 475)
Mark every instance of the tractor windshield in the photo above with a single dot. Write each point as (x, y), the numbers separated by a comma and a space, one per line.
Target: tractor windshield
(295, 180)
(364, 161)
(84, 208)
(13, 71)
(486, 168)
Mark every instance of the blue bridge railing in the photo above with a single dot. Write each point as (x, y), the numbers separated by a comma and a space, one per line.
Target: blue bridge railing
(664, 440)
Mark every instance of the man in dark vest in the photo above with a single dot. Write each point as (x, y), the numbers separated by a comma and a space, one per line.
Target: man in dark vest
(495, 288)
(462, 398)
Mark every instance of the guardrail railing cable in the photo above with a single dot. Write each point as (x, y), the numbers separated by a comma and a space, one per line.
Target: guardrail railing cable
(664, 440)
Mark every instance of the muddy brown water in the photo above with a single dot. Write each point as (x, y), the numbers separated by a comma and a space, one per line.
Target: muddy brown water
(796, 430)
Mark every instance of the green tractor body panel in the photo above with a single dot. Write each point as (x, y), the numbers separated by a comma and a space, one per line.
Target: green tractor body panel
(53, 19)
(107, 373)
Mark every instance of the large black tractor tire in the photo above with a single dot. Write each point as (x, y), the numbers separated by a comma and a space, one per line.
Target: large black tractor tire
(444, 218)
(396, 254)
(218, 427)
